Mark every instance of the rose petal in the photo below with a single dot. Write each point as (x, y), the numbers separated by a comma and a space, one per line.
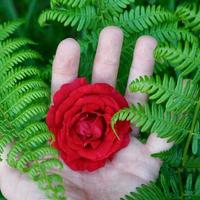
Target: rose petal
(81, 164)
(66, 89)
(50, 119)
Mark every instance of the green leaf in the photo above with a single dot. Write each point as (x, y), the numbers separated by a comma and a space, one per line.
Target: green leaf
(114, 8)
(173, 157)
(171, 32)
(8, 28)
(176, 56)
(147, 192)
(24, 99)
(155, 119)
(141, 18)
(181, 95)
(193, 164)
(79, 17)
(189, 14)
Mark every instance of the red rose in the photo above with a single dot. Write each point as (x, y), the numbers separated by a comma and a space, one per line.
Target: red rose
(80, 119)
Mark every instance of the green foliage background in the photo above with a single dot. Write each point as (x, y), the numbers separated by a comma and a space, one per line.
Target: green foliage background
(173, 109)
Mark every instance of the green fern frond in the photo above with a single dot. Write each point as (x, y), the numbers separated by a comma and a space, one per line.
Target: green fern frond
(20, 88)
(32, 129)
(75, 3)
(47, 164)
(171, 32)
(70, 3)
(114, 8)
(32, 142)
(147, 192)
(181, 95)
(197, 186)
(197, 75)
(90, 41)
(55, 3)
(192, 188)
(24, 101)
(39, 139)
(156, 120)
(79, 17)
(8, 28)
(176, 56)
(189, 14)
(142, 18)
(30, 113)
(169, 186)
(4, 140)
(30, 156)
(11, 45)
(167, 190)
(51, 183)
(193, 164)
(172, 157)
(52, 162)
(17, 74)
(18, 58)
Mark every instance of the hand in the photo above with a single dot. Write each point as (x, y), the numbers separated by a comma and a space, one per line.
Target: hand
(131, 166)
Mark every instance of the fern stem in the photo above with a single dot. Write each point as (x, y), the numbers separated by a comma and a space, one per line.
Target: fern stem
(197, 108)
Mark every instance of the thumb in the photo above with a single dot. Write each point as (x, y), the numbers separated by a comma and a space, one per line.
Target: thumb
(155, 144)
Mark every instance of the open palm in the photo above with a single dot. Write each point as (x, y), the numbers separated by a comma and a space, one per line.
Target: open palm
(131, 166)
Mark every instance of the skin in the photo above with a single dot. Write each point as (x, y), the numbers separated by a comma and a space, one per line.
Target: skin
(131, 166)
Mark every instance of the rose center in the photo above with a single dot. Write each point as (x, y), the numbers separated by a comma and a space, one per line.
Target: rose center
(90, 126)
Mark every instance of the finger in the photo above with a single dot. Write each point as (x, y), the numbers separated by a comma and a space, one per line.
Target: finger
(142, 64)
(155, 144)
(66, 63)
(106, 62)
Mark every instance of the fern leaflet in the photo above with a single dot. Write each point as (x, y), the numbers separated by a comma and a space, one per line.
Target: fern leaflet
(154, 119)
(176, 57)
(141, 18)
(79, 17)
(24, 101)
(189, 13)
(180, 96)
